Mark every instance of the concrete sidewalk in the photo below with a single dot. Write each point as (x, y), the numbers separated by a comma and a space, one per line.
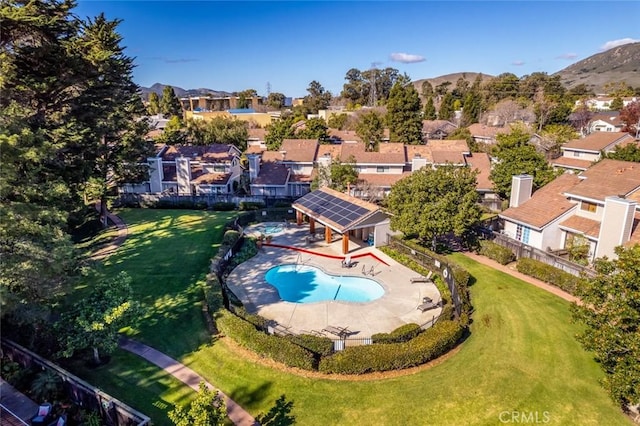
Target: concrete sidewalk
(186, 375)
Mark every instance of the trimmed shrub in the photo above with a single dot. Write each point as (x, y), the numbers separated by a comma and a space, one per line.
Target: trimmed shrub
(403, 333)
(230, 237)
(273, 347)
(321, 346)
(395, 356)
(222, 206)
(548, 274)
(494, 251)
(251, 205)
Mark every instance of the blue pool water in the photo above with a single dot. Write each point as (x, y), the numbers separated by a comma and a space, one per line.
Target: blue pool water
(270, 229)
(306, 284)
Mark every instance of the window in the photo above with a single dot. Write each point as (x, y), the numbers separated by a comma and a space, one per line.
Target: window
(576, 153)
(382, 169)
(522, 233)
(219, 169)
(588, 207)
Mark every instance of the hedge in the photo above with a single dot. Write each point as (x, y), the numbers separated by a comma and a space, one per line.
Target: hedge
(494, 251)
(223, 206)
(432, 343)
(548, 274)
(266, 345)
(251, 205)
(403, 333)
(321, 346)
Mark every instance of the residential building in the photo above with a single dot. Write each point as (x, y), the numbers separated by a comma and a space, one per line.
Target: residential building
(605, 122)
(603, 103)
(580, 154)
(599, 205)
(190, 170)
(482, 133)
(437, 129)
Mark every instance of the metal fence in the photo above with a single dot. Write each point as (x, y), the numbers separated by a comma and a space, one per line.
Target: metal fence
(209, 200)
(521, 250)
(112, 411)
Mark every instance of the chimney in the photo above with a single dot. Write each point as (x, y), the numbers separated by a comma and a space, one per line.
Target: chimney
(183, 175)
(615, 228)
(521, 189)
(254, 166)
(156, 175)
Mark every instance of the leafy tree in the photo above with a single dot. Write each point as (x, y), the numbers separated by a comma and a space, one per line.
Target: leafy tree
(338, 121)
(384, 80)
(277, 131)
(314, 128)
(275, 100)
(431, 203)
(629, 152)
(611, 314)
(580, 91)
(630, 116)
(618, 88)
(515, 155)
(403, 114)
(462, 88)
(464, 133)
(357, 88)
(170, 104)
(472, 106)
(427, 89)
(429, 112)
(96, 321)
(337, 175)
(173, 133)
(217, 130)
(370, 128)
(207, 409)
(442, 88)
(616, 104)
(504, 86)
(317, 99)
(447, 110)
(244, 98)
(154, 104)
(556, 135)
(279, 414)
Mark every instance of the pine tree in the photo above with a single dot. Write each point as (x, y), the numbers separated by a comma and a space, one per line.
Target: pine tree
(429, 109)
(170, 104)
(154, 104)
(446, 108)
(403, 114)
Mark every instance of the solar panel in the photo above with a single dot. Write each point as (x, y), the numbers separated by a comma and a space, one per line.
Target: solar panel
(324, 205)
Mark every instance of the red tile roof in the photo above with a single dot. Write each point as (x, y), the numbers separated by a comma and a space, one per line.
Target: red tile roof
(547, 203)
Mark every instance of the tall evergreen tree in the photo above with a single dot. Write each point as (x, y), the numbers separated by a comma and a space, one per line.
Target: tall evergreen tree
(370, 128)
(154, 104)
(429, 112)
(446, 111)
(170, 104)
(403, 114)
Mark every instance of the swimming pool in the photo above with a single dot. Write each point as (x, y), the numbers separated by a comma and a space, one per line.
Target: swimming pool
(306, 284)
(270, 228)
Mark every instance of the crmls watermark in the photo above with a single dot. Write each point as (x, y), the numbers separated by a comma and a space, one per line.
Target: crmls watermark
(525, 417)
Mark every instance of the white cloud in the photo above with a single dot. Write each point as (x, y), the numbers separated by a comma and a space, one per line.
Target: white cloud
(615, 43)
(568, 56)
(517, 63)
(406, 58)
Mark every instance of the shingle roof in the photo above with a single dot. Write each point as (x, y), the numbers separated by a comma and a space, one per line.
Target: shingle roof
(482, 162)
(582, 225)
(299, 150)
(209, 178)
(607, 178)
(572, 163)
(484, 131)
(272, 173)
(383, 180)
(344, 135)
(596, 141)
(219, 153)
(547, 204)
(390, 153)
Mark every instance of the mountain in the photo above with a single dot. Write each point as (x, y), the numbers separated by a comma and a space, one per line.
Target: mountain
(180, 92)
(452, 78)
(620, 64)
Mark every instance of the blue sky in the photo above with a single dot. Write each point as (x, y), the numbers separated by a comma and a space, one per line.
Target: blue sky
(238, 45)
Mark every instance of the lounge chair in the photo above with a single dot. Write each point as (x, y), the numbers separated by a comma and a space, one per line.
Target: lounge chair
(347, 262)
(60, 421)
(338, 331)
(426, 279)
(428, 304)
(44, 415)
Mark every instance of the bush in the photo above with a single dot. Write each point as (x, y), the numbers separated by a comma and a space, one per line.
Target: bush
(230, 237)
(548, 274)
(494, 251)
(430, 344)
(403, 333)
(251, 205)
(274, 347)
(321, 346)
(222, 206)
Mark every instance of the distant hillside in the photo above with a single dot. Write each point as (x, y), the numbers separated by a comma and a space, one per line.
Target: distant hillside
(453, 78)
(618, 64)
(180, 92)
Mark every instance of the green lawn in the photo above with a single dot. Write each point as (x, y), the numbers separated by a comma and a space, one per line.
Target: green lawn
(521, 355)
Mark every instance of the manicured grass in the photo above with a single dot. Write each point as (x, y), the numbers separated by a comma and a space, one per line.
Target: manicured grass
(167, 255)
(521, 355)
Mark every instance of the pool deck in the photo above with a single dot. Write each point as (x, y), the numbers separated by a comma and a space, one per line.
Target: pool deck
(398, 306)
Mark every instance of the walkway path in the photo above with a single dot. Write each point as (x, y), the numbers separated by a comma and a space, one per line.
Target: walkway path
(526, 278)
(237, 414)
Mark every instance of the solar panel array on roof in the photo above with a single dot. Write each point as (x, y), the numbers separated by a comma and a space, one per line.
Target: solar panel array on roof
(332, 208)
